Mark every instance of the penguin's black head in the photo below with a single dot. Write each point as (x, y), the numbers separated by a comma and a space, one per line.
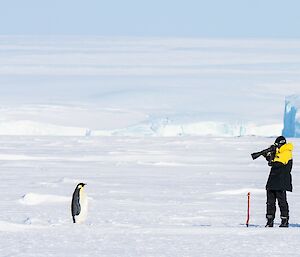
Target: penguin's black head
(80, 185)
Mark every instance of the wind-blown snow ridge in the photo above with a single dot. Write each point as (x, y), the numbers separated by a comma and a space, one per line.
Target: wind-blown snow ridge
(32, 128)
(242, 191)
(15, 227)
(35, 199)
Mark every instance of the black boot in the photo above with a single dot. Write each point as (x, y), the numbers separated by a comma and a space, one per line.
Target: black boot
(284, 222)
(270, 220)
(270, 223)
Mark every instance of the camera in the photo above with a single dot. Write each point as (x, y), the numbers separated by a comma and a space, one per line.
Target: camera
(267, 153)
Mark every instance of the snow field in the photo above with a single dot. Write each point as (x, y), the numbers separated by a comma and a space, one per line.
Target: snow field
(181, 196)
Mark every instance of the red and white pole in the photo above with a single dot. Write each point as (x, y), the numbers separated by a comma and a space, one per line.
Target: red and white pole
(248, 210)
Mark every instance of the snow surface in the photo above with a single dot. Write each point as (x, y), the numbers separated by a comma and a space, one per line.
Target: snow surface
(149, 196)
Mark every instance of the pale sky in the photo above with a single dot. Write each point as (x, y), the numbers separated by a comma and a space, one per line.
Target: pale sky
(192, 18)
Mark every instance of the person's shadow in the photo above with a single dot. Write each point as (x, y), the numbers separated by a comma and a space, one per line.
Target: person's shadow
(294, 225)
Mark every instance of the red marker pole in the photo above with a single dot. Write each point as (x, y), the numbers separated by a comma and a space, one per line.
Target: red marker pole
(248, 210)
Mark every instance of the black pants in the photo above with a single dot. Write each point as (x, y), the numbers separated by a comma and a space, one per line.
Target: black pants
(272, 195)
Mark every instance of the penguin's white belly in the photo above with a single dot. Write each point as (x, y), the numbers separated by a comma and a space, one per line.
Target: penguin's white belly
(83, 201)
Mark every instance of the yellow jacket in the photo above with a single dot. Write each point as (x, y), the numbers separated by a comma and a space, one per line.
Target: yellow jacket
(280, 177)
(284, 153)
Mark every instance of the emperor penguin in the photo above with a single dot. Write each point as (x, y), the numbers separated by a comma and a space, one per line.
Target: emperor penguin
(79, 205)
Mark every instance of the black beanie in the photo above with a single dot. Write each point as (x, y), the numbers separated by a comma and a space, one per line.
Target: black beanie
(280, 141)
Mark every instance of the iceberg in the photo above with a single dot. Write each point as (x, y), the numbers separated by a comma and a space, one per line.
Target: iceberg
(291, 117)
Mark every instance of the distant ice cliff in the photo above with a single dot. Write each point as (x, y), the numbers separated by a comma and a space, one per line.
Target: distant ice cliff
(71, 121)
(198, 128)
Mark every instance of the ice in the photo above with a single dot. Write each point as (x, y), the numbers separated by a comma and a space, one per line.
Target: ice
(173, 128)
(292, 117)
(218, 129)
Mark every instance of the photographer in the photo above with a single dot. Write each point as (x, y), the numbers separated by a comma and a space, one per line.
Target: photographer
(279, 181)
